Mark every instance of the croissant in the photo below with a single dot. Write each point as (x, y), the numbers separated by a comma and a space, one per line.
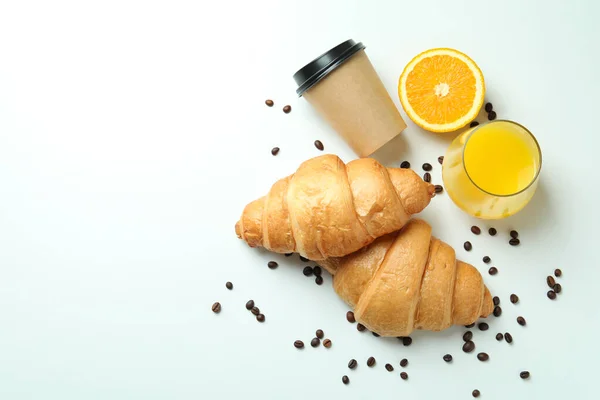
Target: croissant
(328, 209)
(409, 280)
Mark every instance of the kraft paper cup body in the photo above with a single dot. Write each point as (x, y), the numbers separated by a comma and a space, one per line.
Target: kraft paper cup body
(353, 100)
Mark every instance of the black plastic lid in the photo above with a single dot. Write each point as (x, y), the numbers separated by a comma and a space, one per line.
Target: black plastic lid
(317, 69)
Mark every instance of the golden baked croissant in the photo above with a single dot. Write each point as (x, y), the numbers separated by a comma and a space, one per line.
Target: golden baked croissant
(409, 280)
(328, 209)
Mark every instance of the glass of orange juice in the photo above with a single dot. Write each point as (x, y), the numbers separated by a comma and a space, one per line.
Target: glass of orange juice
(491, 171)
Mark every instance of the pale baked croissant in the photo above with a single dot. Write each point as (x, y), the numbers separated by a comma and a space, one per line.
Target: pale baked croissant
(409, 280)
(328, 209)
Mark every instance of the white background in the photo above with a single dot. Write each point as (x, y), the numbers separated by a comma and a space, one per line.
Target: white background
(132, 134)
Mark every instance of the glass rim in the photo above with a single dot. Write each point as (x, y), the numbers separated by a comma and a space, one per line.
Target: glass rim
(537, 145)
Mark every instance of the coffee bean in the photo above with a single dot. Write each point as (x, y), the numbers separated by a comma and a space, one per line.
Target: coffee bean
(557, 273)
(524, 374)
(521, 321)
(486, 259)
(514, 298)
(468, 347)
(360, 327)
(315, 342)
(468, 336)
(229, 285)
(405, 165)
(476, 393)
(427, 177)
(492, 115)
(327, 343)
(447, 358)
(557, 288)
(352, 364)
(319, 280)
(317, 271)
(508, 337)
(551, 294)
(299, 344)
(514, 234)
(493, 271)
(269, 102)
(345, 380)
(319, 145)
(216, 307)
(492, 231)
(375, 334)
(389, 367)
(441, 159)
(274, 151)
(272, 264)
(403, 362)
(287, 109)
(439, 189)
(407, 340)
(350, 317)
(427, 167)
(468, 246)
(496, 300)
(470, 325)
(473, 124)
(497, 311)
(488, 107)
(483, 326)
(303, 259)
(249, 304)
(514, 242)
(550, 281)
(499, 337)
(307, 271)
(476, 230)
(403, 375)
(370, 361)
(255, 310)
(483, 357)
(260, 318)
(319, 333)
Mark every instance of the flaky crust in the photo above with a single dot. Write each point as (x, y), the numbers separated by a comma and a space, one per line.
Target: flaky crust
(331, 209)
(409, 280)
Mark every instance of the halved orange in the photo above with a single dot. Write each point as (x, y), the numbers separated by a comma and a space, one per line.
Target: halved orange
(441, 90)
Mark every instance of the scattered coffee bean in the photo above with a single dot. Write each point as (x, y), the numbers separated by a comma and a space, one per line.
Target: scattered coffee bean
(514, 242)
(447, 358)
(524, 374)
(470, 325)
(315, 342)
(476, 393)
(249, 304)
(488, 107)
(260, 318)
(299, 344)
(492, 115)
(319, 280)
(352, 364)
(269, 102)
(427, 177)
(274, 151)
(550, 281)
(551, 294)
(468, 336)
(389, 367)
(307, 271)
(473, 124)
(375, 334)
(497, 311)
(476, 230)
(350, 317)
(216, 307)
(317, 271)
(483, 356)
(255, 310)
(439, 189)
(287, 109)
(492, 231)
(486, 259)
(468, 347)
(403, 362)
(319, 333)
(499, 337)
(468, 246)
(441, 159)
(405, 165)
(360, 327)
(557, 288)
(493, 271)
(496, 300)
(303, 259)
(514, 298)
(427, 167)
(483, 326)
(557, 273)
(345, 380)
(508, 337)
(407, 340)
(229, 285)
(521, 321)
(272, 264)
(327, 343)
(319, 145)
(514, 234)
(403, 375)
(370, 361)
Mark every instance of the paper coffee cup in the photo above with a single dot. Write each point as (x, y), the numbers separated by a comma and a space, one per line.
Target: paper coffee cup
(344, 88)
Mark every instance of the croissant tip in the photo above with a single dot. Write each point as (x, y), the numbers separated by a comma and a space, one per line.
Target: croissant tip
(238, 230)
